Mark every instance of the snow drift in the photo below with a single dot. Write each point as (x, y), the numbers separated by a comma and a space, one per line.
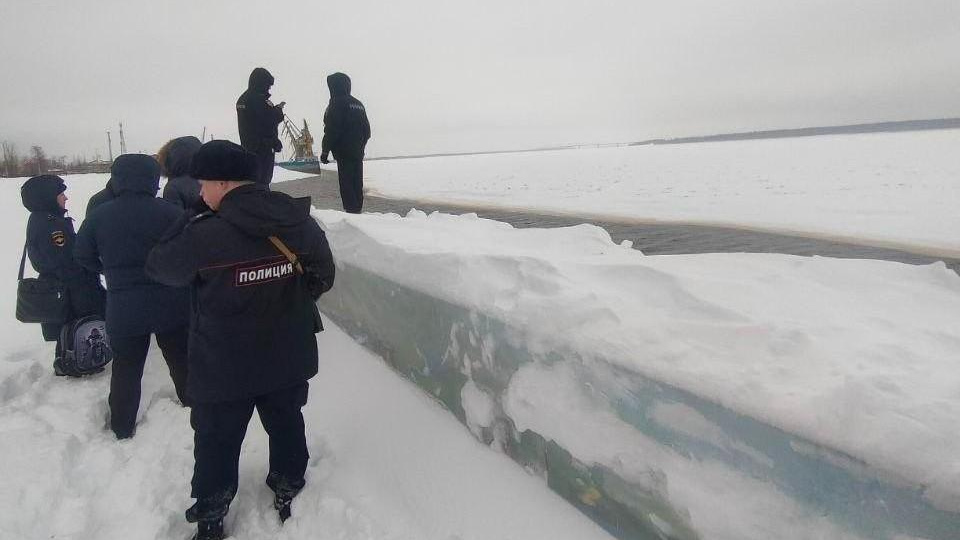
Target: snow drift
(704, 396)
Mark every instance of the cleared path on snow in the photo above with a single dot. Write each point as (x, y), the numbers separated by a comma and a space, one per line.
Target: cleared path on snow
(651, 238)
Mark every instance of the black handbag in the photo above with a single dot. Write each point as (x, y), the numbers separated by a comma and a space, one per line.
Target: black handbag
(39, 300)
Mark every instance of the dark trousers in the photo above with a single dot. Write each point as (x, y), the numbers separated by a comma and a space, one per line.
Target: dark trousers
(265, 166)
(350, 172)
(130, 355)
(219, 429)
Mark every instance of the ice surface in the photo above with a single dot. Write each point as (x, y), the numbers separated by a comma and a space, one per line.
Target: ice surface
(888, 188)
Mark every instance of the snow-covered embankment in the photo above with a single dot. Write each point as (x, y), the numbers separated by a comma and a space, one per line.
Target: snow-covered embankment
(705, 396)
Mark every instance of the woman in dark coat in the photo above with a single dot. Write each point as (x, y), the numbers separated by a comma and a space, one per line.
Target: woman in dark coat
(50, 241)
(114, 241)
(181, 189)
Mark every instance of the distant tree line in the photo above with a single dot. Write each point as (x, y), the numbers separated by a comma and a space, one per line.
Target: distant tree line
(36, 161)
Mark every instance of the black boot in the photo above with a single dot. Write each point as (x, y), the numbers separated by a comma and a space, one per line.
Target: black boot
(282, 504)
(210, 509)
(209, 530)
(284, 491)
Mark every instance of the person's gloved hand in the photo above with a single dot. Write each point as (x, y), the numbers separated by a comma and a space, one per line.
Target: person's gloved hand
(325, 158)
(314, 279)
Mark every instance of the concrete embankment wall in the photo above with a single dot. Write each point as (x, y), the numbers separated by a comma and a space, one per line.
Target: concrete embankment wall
(471, 362)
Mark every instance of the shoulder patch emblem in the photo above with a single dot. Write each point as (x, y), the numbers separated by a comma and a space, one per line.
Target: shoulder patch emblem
(58, 238)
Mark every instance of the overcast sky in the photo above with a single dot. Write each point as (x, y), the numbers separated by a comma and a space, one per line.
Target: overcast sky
(448, 75)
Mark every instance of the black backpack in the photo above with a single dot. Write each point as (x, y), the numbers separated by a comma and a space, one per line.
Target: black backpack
(83, 348)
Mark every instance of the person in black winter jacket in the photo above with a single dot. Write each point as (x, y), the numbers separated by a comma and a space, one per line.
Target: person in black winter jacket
(252, 343)
(182, 189)
(114, 240)
(258, 120)
(49, 246)
(345, 133)
(108, 193)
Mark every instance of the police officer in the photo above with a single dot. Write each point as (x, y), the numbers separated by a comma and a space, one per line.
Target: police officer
(252, 343)
(49, 246)
(345, 133)
(258, 120)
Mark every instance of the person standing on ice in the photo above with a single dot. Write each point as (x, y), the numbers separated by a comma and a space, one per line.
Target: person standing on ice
(114, 240)
(49, 246)
(258, 120)
(256, 262)
(346, 131)
(174, 157)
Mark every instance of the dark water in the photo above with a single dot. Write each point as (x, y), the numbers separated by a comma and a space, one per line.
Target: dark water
(652, 239)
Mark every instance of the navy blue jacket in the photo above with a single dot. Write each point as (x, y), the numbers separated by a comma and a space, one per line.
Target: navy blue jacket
(107, 194)
(114, 240)
(346, 128)
(258, 120)
(50, 242)
(252, 323)
(183, 191)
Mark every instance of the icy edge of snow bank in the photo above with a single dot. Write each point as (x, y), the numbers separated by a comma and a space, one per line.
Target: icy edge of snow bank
(638, 455)
(854, 355)
(937, 248)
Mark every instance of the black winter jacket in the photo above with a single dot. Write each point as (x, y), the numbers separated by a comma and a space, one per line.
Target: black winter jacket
(182, 189)
(114, 240)
(50, 242)
(345, 125)
(252, 321)
(257, 118)
(107, 194)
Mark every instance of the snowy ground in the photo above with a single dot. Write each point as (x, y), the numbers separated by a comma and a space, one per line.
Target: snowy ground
(888, 189)
(387, 463)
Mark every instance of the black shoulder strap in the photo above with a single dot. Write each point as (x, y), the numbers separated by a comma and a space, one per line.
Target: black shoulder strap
(23, 261)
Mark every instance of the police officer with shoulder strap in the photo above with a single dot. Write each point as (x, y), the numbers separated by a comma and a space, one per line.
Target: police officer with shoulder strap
(256, 262)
